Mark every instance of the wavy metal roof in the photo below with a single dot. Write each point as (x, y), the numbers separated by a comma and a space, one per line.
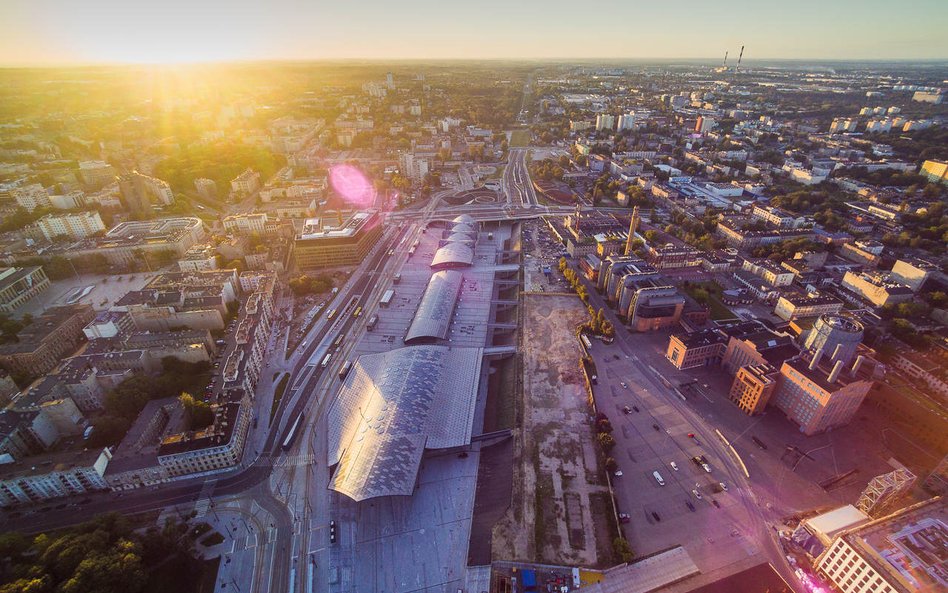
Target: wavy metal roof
(433, 315)
(465, 218)
(453, 254)
(464, 228)
(393, 406)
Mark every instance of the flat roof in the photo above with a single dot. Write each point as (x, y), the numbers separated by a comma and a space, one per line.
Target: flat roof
(831, 523)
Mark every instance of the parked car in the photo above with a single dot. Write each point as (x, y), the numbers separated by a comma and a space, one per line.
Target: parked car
(697, 494)
(626, 410)
(624, 518)
(723, 486)
(674, 465)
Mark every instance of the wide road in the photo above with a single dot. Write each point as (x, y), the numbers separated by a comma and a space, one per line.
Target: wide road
(706, 438)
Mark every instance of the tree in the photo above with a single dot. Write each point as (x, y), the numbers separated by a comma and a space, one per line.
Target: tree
(604, 426)
(611, 464)
(200, 415)
(606, 442)
(622, 549)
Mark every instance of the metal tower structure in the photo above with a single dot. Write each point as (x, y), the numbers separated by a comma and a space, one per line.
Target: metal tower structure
(876, 500)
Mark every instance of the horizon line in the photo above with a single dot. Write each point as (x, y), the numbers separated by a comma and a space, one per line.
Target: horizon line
(551, 60)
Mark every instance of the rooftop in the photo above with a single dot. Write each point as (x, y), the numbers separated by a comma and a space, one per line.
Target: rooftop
(393, 406)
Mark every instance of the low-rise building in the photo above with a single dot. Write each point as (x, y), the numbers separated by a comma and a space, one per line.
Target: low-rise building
(696, 349)
(792, 305)
(46, 340)
(246, 183)
(877, 288)
(902, 552)
(924, 368)
(913, 272)
(246, 223)
(46, 477)
(19, 286)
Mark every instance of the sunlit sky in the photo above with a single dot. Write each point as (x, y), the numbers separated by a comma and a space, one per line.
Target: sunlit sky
(94, 31)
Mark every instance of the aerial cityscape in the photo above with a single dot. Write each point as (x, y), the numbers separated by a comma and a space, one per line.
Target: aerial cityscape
(475, 315)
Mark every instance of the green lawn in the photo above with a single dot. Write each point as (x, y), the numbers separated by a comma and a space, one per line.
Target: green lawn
(708, 293)
(520, 138)
(278, 394)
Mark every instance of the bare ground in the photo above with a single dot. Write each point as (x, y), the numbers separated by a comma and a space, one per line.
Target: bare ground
(550, 518)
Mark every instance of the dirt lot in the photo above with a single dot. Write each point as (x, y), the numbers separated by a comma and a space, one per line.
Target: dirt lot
(550, 520)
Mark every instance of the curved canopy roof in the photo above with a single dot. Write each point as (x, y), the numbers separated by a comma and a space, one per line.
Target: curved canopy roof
(462, 227)
(433, 316)
(393, 406)
(465, 218)
(452, 255)
(460, 237)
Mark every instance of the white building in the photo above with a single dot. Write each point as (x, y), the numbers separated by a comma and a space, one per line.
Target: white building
(246, 223)
(604, 121)
(32, 197)
(246, 183)
(46, 477)
(75, 225)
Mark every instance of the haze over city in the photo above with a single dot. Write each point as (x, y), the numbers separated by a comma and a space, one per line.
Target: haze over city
(61, 32)
(496, 297)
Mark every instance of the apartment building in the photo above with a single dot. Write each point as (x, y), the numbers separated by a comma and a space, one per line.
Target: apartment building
(794, 305)
(246, 223)
(697, 349)
(877, 288)
(246, 183)
(44, 342)
(32, 197)
(74, 225)
(141, 193)
(19, 286)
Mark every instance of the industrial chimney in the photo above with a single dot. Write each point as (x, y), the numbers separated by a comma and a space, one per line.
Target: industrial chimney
(816, 359)
(633, 225)
(858, 364)
(834, 374)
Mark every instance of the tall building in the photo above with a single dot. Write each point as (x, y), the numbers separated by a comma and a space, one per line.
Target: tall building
(75, 225)
(818, 399)
(604, 121)
(141, 192)
(753, 387)
(323, 244)
(705, 124)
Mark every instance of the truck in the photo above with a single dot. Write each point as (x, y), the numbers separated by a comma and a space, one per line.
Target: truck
(397, 278)
(325, 362)
(346, 367)
(372, 321)
(387, 297)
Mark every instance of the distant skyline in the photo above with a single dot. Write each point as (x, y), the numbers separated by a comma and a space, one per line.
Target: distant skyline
(64, 32)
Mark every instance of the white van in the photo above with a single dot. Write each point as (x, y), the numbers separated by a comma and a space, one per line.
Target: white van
(658, 478)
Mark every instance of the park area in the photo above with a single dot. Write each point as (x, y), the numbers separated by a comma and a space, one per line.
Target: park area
(554, 516)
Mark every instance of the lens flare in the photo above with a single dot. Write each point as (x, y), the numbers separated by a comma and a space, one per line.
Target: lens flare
(352, 186)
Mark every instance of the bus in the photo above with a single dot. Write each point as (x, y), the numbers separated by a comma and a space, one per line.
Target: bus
(291, 434)
(585, 339)
(331, 314)
(346, 367)
(357, 312)
(387, 297)
(372, 321)
(325, 362)
(338, 341)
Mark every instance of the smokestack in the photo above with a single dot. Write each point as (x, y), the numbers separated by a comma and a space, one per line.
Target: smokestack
(339, 216)
(739, 58)
(816, 359)
(725, 59)
(834, 374)
(858, 364)
(837, 352)
(633, 225)
(577, 219)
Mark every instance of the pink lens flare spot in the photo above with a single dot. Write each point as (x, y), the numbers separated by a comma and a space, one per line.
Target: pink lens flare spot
(352, 185)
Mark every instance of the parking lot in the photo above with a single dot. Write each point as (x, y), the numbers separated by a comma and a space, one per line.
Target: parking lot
(691, 508)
